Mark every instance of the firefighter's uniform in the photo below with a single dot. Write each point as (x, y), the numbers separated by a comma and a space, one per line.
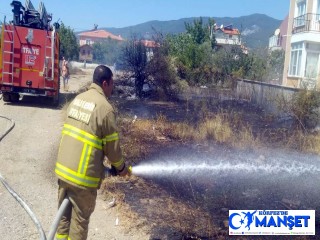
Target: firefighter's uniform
(89, 134)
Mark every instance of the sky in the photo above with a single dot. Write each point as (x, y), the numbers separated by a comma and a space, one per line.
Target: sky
(83, 14)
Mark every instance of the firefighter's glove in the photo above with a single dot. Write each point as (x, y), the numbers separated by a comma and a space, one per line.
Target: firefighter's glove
(124, 171)
(111, 171)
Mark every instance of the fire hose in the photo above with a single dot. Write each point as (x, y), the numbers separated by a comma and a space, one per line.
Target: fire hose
(61, 210)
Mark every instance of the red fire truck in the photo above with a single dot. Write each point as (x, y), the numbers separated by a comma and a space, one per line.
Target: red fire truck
(29, 54)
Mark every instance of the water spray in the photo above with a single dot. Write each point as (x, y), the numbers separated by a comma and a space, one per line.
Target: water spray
(185, 168)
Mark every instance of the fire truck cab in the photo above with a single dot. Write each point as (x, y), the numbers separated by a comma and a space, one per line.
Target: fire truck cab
(29, 54)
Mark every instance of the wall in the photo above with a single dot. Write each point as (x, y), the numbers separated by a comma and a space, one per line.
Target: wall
(267, 96)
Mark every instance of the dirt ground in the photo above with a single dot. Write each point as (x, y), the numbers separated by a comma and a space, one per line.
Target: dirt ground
(27, 157)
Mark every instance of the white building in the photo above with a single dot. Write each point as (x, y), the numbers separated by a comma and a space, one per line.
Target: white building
(227, 36)
(301, 68)
(278, 40)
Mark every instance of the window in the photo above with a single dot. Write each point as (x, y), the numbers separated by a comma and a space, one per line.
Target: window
(312, 61)
(300, 13)
(312, 65)
(295, 63)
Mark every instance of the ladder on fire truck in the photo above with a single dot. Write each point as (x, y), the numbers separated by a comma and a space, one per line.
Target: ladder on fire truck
(8, 53)
(49, 45)
(49, 56)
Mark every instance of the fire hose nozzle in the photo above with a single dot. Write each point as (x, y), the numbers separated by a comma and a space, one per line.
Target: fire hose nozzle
(113, 171)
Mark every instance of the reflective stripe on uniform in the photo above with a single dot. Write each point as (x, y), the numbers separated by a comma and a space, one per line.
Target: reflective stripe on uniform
(118, 164)
(80, 179)
(62, 236)
(89, 142)
(82, 136)
(110, 138)
(84, 160)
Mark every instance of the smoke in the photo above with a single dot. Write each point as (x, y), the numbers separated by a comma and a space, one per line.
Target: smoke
(252, 30)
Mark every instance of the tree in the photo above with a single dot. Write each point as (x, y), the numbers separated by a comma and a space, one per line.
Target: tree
(305, 108)
(98, 53)
(69, 47)
(134, 57)
(160, 68)
(190, 58)
(201, 32)
(276, 64)
(258, 67)
(107, 52)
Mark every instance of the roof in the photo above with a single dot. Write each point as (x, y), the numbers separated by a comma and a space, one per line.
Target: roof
(233, 31)
(100, 34)
(228, 30)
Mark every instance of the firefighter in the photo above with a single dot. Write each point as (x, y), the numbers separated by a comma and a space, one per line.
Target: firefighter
(89, 134)
(65, 74)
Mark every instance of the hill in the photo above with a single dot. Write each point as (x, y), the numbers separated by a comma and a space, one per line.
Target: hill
(256, 28)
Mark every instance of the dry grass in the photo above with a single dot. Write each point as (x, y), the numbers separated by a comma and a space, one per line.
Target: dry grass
(244, 138)
(184, 131)
(142, 134)
(216, 128)
(223, 128)
(305, 142)
(312, 144)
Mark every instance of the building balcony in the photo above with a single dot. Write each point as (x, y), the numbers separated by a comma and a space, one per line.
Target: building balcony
(309, 22)
(275, 42)
(228, 41)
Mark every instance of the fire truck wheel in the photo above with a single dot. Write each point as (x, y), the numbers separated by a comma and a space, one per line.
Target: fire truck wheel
(6, 97)
(14, 97)
(55, 100)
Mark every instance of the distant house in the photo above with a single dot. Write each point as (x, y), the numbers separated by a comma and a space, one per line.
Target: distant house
(278, 40)
(86, 53)
(94, 36)
(87, 39)
(150, 46)
(228, 36)
(302, 58)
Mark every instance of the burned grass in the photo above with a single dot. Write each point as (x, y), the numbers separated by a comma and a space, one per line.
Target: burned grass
(162, 209)
(148, 206)
(242, 127)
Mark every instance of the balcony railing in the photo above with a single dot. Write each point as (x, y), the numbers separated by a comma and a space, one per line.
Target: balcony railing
(275, 41)
(309, 22)
(228, 41)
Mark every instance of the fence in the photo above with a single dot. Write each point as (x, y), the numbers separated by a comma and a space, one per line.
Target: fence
(266, 95)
